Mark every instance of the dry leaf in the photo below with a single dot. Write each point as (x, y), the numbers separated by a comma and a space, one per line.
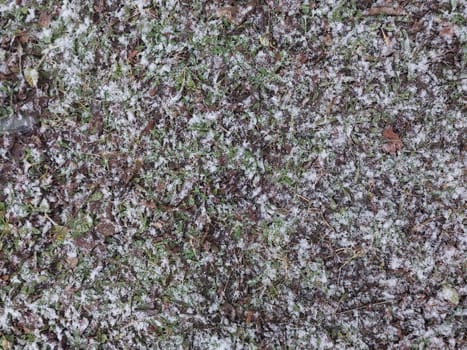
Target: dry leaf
(149, 204)
(44, 19)
(99, 6)
(228, 12)
(447, 31)
(32, 76)
(132, 171)
(389, 134)
(5, 344)
(390, 148)
(96, 123)
(106, 228)
(388, 48)
(71, 261)
(158, 224)
(249, 316)
(148, 128)
(393, 141)
(202, 220)
(5, 278)
(86, 243)
(23, 37)
(387, 41)
(385, 10)
(235, 14)
(132, 55)
(152, 92)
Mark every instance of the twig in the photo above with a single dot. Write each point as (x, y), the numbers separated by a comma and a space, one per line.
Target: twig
(419, 226)
(363, 306)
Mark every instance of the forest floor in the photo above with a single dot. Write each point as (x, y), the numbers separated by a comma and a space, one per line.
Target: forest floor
(232, 175)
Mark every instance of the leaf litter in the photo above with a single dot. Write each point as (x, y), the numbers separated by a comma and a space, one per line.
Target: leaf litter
(211, 175)
(393, 142)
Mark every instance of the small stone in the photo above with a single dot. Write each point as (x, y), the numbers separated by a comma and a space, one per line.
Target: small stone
(450, 294)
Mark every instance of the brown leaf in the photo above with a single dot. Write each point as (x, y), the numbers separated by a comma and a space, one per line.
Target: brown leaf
(99, 6)
(132, 171)
(236, 14)
(106, 228)
(71, 261)
(44, 19)
(393, 141)
(5, 344)
(132, 56)
(85, 243)
(249, 316)
(149, 204)
(158, 224)
(5, 278)
(229, 13)
(447, 31)
(96, 123)
(23, 37)
(148, 128)
(390, 148)
(389, 134)
(385, 10)
(10, 76)
(152, 92)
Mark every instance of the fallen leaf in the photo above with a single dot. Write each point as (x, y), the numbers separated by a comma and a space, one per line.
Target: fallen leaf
(59, 233)
(106, 228)
(23, 37)
(393, 141)
(5, 278)
(96, 123)
(152, 92)
(32, 76)
(5, 344)
(132, 55)
(385, 10)
(202, 220)
(228, 12)
(132, 171)
(389, 134)
(264, 41)
(249, 316)
(236, 14)
(99, 6)
(86, 243)
(447, 31)
(388, 48)
(149, 204)
(158, 224)
(387, 41)
(148, 128)
(71, 261)
(44, 19)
